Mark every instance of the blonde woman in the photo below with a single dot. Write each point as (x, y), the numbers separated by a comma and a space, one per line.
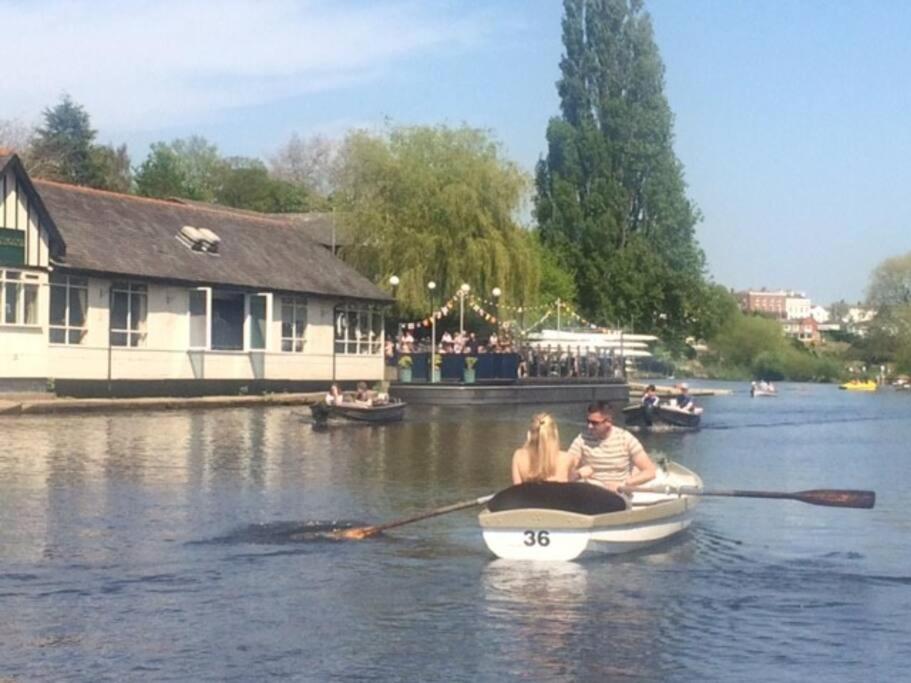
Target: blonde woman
(540, 458)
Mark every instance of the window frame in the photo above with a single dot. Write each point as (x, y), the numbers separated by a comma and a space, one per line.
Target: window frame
(23, 283)
(65, 282)
(139, 334)
(208, 319)
(296, 344)
(267, 317)
(357, 341)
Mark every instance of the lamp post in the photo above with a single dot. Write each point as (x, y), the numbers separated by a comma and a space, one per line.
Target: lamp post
(394, 283)
(463, 292)
(433, 331)
(496, 310)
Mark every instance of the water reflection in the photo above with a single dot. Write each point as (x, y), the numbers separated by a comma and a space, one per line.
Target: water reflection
(192, 528)
(539, 608)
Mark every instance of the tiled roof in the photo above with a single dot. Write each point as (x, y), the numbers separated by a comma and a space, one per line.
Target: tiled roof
(122, 234)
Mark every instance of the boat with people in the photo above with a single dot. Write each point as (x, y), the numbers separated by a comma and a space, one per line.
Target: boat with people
(762, 389)
(662, 414)
(391, 411)
(859, 385)
(562, 522)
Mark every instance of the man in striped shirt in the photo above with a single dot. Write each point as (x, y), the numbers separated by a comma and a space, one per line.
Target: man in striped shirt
(610, 455)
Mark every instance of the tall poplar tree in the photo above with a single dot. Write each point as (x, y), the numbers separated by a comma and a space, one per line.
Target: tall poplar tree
(611, 200)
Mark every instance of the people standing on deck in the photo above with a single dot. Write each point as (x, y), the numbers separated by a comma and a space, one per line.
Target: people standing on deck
(540, 457)
(684, 401)
(608, 454)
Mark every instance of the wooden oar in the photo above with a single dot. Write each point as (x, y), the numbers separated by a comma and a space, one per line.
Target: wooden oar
(844, 498)
(362, 532)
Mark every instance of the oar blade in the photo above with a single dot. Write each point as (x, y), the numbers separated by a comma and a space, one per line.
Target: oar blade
(356, 533)
(843, 498)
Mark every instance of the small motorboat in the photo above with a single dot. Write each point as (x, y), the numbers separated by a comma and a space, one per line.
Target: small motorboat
(552, 521)
(392, 411)
(857, 385)
(666, 414)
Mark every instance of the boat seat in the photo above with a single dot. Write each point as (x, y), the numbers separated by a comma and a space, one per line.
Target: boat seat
(581, 498)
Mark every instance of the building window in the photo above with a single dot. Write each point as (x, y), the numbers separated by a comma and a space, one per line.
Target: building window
(258, 305)
(129, 308)
(199, 318)
(18, 298)
(358, 330)
(69, 308)
(228, 317)
(294, 324)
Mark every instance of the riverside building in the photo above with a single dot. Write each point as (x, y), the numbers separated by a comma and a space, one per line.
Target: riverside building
(110, 294)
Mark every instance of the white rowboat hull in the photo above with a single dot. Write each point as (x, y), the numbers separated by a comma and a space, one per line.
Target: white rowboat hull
(557, 535)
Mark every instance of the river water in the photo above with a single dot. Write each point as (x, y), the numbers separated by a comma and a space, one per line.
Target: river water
(177, 546)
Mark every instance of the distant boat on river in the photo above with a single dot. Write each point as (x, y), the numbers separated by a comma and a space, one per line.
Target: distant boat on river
(662, 414)
(857, 385)
(393, 411)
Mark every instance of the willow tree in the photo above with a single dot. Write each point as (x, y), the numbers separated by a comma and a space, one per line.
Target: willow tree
(611, 200)
(435, 204)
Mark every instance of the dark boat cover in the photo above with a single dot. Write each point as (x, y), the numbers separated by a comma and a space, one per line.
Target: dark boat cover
(578, 497)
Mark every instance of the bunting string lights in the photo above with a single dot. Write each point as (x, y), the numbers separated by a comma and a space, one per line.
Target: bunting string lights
(482, 307)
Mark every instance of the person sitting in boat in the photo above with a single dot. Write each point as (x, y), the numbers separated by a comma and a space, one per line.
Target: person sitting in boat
(363, 397)
(334, 395)
(650, 397)
(540, 457)
(609, 455)
(684, 401)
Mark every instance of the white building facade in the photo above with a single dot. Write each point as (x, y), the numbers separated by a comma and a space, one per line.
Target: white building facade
(797, 306)
(103, 294)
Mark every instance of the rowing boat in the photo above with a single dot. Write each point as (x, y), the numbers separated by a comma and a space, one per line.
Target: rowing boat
(562, 522)
(374, 414)
(661, 414)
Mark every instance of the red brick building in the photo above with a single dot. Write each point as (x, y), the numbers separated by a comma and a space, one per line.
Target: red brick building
(772, 304)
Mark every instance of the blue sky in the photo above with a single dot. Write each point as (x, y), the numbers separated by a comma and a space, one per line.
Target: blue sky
(791, 116)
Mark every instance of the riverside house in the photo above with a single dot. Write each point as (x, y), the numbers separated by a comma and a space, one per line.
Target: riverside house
(103, 293)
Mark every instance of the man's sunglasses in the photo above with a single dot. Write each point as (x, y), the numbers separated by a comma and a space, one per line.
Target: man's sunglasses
(596, 422)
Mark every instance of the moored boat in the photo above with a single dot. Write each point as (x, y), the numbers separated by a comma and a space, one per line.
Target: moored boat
(393, 411)
(551, 521)
(857, 385)
(661, 414)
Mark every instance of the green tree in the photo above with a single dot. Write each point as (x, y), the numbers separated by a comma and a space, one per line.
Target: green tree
(435, 203)
(112, 167)
(190, 168)
(246, 184)
(890, 283)
(64, 149)
(162, 174)
(611, 198)
(711, 312)
(63, 145)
